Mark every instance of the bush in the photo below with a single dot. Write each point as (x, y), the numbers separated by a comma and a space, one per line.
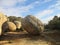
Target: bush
(54, 23)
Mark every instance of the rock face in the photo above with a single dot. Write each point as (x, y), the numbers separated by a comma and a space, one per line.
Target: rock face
(18, 24)
(32, 25)
(3, 19)
(9, 26)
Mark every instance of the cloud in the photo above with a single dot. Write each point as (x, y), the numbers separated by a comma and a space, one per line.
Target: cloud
(58, 15)
(47, 1)
(16, 11)
(10, 2)
(7, 7)
(55, 6)
(10, 12)
(46, 20)
(7, 2)
(43, 13)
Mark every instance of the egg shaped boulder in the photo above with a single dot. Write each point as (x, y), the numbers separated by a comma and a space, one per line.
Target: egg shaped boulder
(11, 26)
(3, 19)
(32, 25)
(18, 24)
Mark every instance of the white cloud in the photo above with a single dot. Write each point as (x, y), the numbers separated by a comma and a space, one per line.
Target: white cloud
(7, 2)
(10, 2)
(45, 1)
(46, 20)
(11, 11)
(20, 0)
(43, 13)
(58, 15)
(56, 5)
(16, 11)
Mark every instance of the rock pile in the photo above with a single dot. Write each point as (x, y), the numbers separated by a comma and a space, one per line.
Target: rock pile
(30, 23)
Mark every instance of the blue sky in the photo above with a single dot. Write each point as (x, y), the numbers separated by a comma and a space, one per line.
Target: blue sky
(45, 10)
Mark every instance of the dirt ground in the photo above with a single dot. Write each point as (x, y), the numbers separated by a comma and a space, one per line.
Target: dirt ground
(55, 37)
(22, 38)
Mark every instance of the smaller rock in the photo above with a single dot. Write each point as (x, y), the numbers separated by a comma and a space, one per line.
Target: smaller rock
(18, 24)
(9, 26)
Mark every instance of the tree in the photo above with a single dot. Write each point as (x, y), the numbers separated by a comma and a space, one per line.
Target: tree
(54, 23)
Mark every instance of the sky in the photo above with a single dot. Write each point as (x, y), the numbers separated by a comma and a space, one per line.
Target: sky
(44, 10)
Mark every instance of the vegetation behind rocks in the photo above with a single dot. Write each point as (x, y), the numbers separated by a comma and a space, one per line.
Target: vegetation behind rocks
(53, 24)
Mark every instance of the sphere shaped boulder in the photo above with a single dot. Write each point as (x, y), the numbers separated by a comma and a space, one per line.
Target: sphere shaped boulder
(32, 25)
(9, 25)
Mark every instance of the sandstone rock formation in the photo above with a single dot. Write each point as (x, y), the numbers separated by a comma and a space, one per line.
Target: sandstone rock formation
(32, 25)
(9, 26)
(3, 19)
(18, 24)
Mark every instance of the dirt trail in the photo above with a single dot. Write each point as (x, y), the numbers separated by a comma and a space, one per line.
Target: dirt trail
(22, 38)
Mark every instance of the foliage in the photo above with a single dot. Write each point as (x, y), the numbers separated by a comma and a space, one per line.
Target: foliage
(14, 18)
(54, 23)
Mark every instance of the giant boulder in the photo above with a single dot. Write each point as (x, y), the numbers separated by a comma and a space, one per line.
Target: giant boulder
(32, 25)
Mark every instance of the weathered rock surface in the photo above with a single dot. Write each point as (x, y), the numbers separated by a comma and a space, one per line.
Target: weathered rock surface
(18, 24)
(9, 26)
(32, 25)
(3, 19)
